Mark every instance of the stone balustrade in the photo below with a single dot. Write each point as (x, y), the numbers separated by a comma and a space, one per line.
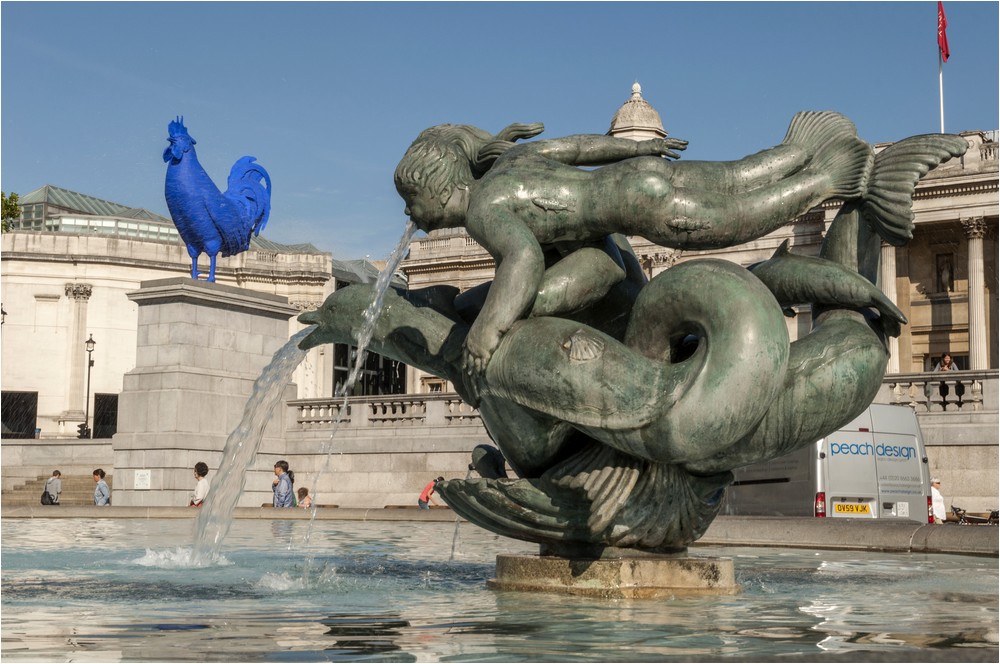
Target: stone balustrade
(381, 412)
(947, 392)
(959, 391)
(389, 445)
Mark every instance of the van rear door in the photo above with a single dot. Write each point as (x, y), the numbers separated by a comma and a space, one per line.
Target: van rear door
(903, 478)
(849, 473)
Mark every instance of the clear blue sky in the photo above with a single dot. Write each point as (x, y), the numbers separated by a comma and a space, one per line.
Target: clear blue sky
(328, 96)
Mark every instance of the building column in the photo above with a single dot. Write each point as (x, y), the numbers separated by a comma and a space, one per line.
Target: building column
(975, 231)
(79, 296)
(887, 280)
(309, 376)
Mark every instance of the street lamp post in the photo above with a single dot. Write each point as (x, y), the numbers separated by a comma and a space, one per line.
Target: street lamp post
(85, 431)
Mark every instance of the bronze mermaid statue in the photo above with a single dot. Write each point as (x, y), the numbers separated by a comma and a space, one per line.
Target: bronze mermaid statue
(622, 405)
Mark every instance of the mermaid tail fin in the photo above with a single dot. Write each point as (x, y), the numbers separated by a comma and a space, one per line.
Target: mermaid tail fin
(598, 498)
(582, 496)
(888, 204)
(817, 128)
(837, 151)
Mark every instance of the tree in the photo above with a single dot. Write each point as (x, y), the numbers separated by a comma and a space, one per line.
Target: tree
(11, 209)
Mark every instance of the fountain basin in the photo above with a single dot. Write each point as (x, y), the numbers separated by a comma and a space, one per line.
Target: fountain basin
(888, 535)
(121, 589)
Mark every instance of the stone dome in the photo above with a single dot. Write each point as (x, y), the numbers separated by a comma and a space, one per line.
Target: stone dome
(636, 118)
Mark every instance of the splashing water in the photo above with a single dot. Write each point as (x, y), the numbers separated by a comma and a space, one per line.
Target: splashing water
(369, 319)
(177, 558)
(375, 308)
(458, 520)
(216, 516)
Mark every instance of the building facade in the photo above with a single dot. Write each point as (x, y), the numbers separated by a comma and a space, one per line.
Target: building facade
(69, 263)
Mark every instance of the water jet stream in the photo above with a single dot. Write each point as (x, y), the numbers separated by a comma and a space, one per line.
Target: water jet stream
(216, 516)
(458, 520)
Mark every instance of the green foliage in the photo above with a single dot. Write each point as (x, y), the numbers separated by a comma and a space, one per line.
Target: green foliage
(11, 209)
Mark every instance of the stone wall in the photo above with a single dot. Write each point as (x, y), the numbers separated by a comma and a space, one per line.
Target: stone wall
(968, 475)
(384, 450)
(25, 460)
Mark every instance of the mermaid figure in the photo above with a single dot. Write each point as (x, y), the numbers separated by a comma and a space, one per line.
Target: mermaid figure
(532, 197)
(625, 436)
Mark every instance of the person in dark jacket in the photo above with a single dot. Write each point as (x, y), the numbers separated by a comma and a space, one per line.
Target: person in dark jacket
(53, 486)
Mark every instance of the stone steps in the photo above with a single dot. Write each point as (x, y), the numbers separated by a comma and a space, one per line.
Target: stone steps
(76, 491)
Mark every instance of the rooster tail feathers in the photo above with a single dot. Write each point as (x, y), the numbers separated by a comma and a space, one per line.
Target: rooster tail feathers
(249, 186)
(888, 205)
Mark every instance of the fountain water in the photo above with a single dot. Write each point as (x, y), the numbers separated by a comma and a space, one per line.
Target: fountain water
(114, 590)
(364, 338)
(458, 521)
(215, 517)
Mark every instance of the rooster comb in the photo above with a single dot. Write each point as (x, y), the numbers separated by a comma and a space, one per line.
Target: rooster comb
(177, 128)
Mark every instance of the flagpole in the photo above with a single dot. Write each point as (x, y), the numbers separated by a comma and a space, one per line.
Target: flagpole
(941, 87)
(942, 40)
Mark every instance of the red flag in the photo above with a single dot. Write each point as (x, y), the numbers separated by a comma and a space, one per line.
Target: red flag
(942, 34)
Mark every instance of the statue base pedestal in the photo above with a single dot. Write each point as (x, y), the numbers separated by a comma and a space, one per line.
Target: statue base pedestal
(201, 347)
(643, 576)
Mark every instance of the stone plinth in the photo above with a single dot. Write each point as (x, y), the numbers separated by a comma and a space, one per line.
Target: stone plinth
(641, 576)
(200, 348)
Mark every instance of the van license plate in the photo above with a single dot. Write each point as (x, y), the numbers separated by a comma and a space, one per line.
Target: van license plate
(851, 508)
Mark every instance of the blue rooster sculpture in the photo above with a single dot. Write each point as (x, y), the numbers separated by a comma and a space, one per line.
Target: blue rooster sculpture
(209, 221)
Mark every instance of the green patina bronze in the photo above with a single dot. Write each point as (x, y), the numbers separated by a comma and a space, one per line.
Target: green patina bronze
(622, 405)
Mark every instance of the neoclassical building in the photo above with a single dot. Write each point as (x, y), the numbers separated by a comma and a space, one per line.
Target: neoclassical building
(68, 264)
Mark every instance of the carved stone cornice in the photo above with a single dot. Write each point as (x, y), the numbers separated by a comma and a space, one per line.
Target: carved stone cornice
(77, 291)
(306, 305)
(461, 263)
(940, 190)
(975, 227)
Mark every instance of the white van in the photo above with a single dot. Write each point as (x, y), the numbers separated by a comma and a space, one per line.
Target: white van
(875, 467)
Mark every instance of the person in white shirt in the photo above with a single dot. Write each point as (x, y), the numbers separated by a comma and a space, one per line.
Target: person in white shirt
(937, 502)
(201, 488)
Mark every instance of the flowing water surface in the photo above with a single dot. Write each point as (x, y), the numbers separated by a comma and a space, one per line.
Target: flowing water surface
(123, 590)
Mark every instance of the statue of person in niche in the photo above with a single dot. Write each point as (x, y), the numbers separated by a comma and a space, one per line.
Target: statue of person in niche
(550, 224)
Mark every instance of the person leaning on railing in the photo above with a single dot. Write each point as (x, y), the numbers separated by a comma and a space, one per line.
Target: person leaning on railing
(948, 364)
